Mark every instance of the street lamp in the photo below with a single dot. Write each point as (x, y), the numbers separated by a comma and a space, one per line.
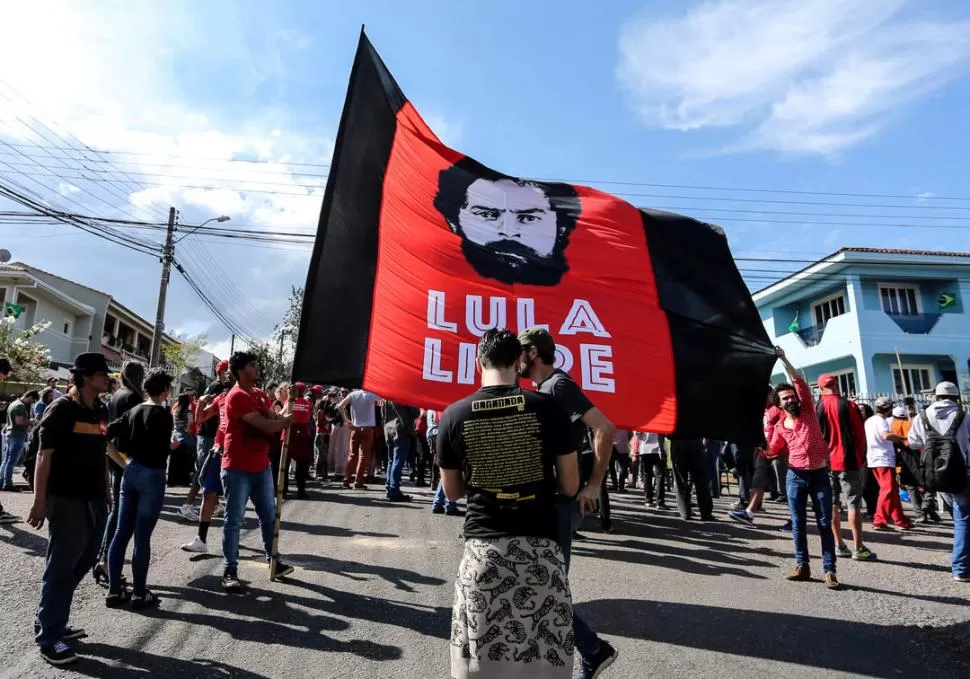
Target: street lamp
(220, 219)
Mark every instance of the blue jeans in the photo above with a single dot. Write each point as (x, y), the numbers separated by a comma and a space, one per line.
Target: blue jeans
(960, 562)
(815, 484)
(239, 487)
(75, 528)
(441, 500)
(142, 495)
(587, 643)
(13, 449)
(397, 455)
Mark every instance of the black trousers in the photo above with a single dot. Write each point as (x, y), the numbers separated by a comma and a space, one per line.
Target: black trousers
(652, 471)
(690, 472)
(586, 463)
(619, 469)
(744, 466)
(301, 474)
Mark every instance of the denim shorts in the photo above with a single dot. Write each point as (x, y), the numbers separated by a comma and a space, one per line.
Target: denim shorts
(849, 485)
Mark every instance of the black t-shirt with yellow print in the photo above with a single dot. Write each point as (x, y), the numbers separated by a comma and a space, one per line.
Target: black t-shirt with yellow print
(506, 440)
(78, 436)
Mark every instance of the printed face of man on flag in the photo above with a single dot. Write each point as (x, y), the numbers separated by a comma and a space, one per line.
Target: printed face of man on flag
(513, 231)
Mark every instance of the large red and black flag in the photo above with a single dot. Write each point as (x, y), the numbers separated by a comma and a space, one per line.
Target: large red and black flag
(420, 249)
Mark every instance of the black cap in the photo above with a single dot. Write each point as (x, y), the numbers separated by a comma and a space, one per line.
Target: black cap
(90, 363)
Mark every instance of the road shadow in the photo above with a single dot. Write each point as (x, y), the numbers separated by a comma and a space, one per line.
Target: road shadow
(360, 572)
(319, 529)
(671, 562)
(837, 645)
(23, 537)
(371, 498)
(703, 552)
(283, 619)
(123, 663)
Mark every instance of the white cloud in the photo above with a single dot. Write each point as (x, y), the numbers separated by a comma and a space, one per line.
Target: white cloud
(924, 196)
(801, 76)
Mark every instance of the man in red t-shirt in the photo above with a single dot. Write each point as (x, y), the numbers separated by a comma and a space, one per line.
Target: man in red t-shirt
(845, 433)
(248, 423)
(300, 450)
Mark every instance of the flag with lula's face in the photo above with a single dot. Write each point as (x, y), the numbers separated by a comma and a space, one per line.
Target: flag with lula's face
(420, 249)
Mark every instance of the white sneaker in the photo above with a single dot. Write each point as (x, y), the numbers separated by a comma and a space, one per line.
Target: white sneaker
(219, 511)
(196, 546)
(189, 513)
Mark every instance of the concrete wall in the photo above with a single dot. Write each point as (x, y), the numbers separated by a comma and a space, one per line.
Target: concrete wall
(92, 298)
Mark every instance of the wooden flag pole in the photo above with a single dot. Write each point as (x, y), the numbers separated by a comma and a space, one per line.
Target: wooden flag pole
(281, 479)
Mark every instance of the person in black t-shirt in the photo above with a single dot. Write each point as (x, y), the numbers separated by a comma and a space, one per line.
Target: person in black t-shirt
(123, 400)
(71, 493)
(508, 450)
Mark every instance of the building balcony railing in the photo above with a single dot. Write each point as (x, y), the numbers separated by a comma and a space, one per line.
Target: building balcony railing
(916, 324)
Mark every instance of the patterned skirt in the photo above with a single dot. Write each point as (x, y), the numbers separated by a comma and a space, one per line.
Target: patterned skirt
(513, 613)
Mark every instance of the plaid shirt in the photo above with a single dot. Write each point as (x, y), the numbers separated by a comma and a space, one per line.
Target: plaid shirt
(807, 447)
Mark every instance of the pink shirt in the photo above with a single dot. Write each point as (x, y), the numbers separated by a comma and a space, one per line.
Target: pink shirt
(807, 447)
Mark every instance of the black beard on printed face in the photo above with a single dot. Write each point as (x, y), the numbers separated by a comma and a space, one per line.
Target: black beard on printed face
(511, 262)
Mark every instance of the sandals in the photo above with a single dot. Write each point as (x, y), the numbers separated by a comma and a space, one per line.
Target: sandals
(150, 600)
(118, 600)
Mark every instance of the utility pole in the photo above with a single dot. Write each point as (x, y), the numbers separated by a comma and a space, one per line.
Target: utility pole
(168, 254)
(232, 345)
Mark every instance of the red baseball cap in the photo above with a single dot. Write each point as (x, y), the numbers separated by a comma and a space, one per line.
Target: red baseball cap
(827, 381)
(316, 389)
(222, 366)
(299, 386)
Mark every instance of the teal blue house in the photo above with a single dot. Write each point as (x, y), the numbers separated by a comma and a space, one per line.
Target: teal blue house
(883, 321)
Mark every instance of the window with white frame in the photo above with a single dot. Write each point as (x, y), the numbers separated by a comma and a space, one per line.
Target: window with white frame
(913, 379)
(830, 307)
(899, 300)
(846, 382)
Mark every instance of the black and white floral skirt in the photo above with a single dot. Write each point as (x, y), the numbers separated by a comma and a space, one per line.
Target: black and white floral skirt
(513, 613)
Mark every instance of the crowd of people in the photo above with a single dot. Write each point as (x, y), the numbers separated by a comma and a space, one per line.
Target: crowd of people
(530, 465)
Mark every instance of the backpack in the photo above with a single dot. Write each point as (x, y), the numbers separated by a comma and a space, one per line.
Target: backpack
(941, 463)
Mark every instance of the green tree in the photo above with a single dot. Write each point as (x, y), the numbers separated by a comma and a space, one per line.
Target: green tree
(287, 330)
(272, 369)
(181, 357)
(30, 359)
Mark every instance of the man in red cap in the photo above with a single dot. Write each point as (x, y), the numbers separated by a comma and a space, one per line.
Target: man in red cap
(300, 449)
(845, 434)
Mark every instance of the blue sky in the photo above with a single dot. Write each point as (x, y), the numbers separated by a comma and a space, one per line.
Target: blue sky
(844, 96)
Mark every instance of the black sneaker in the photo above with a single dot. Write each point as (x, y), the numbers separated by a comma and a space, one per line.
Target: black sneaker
(605, 656)
(578, 537)
(454, 511)
(7, 517)
(282, 569)
(58, 654)
(400, 497)
(437, 509)
(230, 580)
(72, 633)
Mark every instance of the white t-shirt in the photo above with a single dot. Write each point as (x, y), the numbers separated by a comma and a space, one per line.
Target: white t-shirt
(880, 452)
(647, 444)
(362, 411)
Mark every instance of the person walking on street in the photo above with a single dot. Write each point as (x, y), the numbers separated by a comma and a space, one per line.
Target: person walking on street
(398, 432)
(808, 474)
(359, 411)
(6, 369)
(881, 456)
(538, 364)
(943, 429)
(15, 436)
(130, 395)
(691, 470)
(145, 433)
(509, 450)
(72, 495)
(845, 434)
(653, 467)
(246, 469)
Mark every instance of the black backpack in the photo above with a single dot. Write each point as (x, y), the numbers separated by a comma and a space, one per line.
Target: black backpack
(941, 463)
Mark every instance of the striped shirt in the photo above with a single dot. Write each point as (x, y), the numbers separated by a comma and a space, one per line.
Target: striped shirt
(807, 447)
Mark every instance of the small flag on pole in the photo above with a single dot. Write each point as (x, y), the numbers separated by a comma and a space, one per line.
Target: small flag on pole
(795, 325)
(11, 310)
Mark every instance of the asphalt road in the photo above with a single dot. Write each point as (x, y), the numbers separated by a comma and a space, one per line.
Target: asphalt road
(372, 594)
